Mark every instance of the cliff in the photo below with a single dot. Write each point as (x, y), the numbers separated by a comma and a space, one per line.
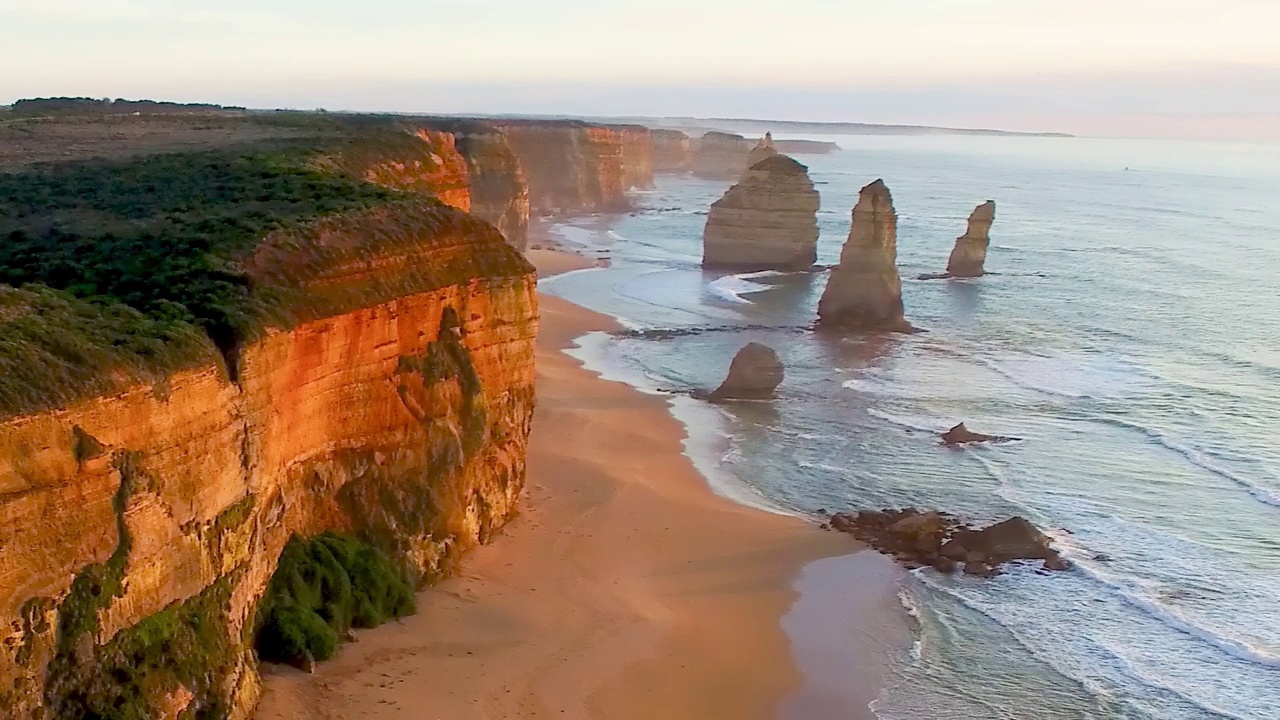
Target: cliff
(672, 151)
(768, 221)
(864, 291)
(637, 156)
(409, 158)
(499, 190)
(366, 367)
(721, 155)
(570, 166)
(970, 253)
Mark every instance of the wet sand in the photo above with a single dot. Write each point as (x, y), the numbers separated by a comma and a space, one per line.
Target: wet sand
(626, 588)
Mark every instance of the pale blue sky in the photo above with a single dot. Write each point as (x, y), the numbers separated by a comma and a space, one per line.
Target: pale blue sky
(1109, 66)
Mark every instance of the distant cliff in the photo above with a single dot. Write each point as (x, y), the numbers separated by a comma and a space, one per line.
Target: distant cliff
(721, 155)
(672, 151)
(570, 166)
(309, 352)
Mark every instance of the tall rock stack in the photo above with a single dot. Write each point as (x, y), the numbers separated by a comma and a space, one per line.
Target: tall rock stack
(672, 151)
(762, 151)
(970, 252)
(864, 291)
(768, 221)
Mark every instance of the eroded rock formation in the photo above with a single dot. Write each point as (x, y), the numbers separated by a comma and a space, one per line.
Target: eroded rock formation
(721, 155)
(637, 156)
(672, 151)
(768, 221)
(864, 292)
(388, 394)
(755, 373)
(970, 253)
(499, 191)
(934, 539)
(762, 151)
(570, 166)
(961, 435)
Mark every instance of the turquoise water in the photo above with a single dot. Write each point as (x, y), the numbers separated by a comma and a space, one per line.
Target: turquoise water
(1131, 336)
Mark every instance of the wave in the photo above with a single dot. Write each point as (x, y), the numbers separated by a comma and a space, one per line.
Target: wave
(919, 424)
(1263, 494)
(1076, 378)
(731, 288)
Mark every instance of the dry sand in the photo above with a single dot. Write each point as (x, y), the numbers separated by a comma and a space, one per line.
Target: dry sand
(626, 589)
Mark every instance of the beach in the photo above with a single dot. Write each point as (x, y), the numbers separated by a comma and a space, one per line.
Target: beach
(625, 589)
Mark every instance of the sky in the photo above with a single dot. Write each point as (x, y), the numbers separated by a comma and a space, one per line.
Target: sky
(1151, 68)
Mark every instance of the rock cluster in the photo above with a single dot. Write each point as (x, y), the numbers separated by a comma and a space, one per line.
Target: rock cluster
(919, 538)
(864, 291)
(970, 253)
(755, 373)
(768, 221)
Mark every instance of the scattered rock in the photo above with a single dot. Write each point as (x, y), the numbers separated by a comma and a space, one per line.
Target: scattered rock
(768, 221)
(918, 538)
(961, 435)
(306, 663)
(864, 291)
(755, 373)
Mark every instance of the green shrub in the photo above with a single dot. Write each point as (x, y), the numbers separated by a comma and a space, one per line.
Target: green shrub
(321, 588)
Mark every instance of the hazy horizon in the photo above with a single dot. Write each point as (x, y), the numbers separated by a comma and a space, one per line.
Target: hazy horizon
(1136, 68)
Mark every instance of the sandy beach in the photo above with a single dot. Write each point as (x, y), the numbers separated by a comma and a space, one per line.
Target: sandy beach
(626, 588)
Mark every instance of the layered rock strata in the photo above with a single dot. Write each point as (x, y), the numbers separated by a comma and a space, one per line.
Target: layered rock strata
(570, 166)
(672, 151)
(970, 253)
(768, 221)
(499, 190)
(755, 373)
(864, 292)
(637, 156)
(388, 395)
(721, 155)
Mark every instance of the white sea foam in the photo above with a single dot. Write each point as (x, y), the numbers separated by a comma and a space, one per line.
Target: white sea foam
(1075, 377)
(731, 288)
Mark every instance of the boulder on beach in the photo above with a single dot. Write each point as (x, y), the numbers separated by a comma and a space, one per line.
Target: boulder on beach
(864, 292)
(926, 538)
(755, 373)
(768, 221)
(961, 435)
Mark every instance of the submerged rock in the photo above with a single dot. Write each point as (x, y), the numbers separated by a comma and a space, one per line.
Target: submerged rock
(864, 291)
(768, 221)
(961, 435)
(919, 538)
(755, 373)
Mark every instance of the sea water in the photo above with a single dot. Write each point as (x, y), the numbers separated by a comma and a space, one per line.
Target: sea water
(1129, 334)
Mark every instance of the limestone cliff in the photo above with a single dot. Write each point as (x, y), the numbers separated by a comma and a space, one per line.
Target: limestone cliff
(499, 191)
(970, 253)
(672, 151)
(721, 155)
(864, 291)
(570, 166)
(637, 156)
(768, 221)
(421, 160)
(386, 392)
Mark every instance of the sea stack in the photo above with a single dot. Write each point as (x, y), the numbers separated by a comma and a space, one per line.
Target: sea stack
(864, 291)
(755, 373)
(720, 155)
(970, 252)
(768, 221)
(762, 151)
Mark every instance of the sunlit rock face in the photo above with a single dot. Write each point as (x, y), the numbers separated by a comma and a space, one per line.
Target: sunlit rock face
(499, 190)
(570, 166)
(768, 221)
(864, 292)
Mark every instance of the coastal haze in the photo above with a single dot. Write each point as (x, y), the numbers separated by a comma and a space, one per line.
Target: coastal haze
(887, 361)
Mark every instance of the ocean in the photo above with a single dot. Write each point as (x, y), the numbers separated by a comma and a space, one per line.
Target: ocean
(1129, 333)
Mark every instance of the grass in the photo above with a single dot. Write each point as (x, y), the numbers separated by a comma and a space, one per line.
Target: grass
(321, 588)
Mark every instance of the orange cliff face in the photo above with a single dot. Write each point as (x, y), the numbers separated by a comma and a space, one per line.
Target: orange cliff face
(570, 166)
(436, 168)
(499, 190)
(637, 156)
(396, 403)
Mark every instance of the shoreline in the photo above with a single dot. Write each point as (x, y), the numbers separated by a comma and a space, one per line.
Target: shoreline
(626, 588)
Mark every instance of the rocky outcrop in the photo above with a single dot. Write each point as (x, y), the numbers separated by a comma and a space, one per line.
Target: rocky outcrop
(388, 395)
(805, 147)
(755, 373)
(637, 156)
(672, 151)
(864, 292)
(721, 155)
(934, 539)
(970, 253)
(570, 166)
(414, 159)
(762, 151)
(961, 435)
(768, 221)
(499, 191)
